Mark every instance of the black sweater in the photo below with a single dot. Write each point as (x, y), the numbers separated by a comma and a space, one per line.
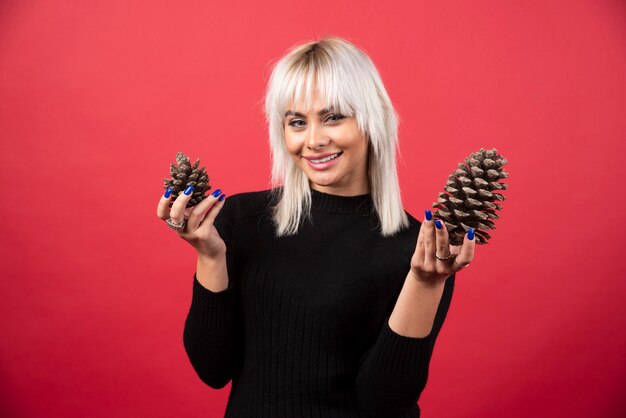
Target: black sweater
(302, 329)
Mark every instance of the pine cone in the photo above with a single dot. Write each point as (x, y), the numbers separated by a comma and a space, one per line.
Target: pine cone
(185, 175)
(470, 197)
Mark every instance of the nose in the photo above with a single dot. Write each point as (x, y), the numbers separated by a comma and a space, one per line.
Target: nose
(315, 137)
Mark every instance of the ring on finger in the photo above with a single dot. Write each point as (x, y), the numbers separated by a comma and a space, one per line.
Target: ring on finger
(443, 258)
(175, 226)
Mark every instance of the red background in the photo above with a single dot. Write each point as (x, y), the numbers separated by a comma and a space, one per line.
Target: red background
(96, 99)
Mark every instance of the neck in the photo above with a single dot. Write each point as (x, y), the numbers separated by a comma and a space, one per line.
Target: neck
(353, 190)
(355, 204)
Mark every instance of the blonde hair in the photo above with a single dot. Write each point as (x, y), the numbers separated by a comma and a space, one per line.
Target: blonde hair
(346, 79)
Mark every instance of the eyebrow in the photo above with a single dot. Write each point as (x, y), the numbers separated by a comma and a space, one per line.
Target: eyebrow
(321, 112)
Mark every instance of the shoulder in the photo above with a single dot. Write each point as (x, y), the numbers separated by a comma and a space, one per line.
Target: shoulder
(402, 241)
(245, 204)
(241, 210)
(414, 224)
(405, 238)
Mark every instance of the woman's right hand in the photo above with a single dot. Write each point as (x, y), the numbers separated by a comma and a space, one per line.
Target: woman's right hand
(199, 230)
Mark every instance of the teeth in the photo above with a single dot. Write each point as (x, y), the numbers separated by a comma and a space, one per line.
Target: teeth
(323, 160)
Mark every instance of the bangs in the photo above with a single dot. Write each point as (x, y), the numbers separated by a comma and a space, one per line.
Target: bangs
(316, 72)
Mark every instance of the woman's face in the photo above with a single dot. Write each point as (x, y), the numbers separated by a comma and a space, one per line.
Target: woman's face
(328, 147)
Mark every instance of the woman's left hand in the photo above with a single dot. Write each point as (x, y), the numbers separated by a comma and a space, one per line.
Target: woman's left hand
(432, 241)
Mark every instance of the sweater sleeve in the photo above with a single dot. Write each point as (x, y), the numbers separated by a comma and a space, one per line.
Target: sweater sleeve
(394, 370)
(212, 333)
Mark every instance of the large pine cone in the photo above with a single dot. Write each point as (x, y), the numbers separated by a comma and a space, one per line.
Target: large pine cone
(470, 197)
(184, 175)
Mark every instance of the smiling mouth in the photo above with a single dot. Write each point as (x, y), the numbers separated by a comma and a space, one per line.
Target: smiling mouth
(326, 159)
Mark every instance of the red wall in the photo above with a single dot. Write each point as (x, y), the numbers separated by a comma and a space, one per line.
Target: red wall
(96, 99)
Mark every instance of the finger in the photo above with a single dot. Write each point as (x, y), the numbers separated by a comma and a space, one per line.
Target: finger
(419, 248)
(163, 208)
(466, 255)
(430, 238)
(209, 219)
(200, 210)
(443, 246)
(180, 203)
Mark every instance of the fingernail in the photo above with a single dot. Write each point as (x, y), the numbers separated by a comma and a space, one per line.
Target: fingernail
(429, 215)
(168, 192)
(217, 192)
(438, 224)
(470, 234)
(222, 197)
(189, 189)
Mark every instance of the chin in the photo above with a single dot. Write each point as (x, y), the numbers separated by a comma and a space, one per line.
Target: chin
(322, 181)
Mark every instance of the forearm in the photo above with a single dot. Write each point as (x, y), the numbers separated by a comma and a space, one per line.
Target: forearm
(212, 274)
(212, 337)
(394, 371)
(414, 312)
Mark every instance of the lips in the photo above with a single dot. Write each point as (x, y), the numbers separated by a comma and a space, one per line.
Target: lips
(324, 163)
(322, 158)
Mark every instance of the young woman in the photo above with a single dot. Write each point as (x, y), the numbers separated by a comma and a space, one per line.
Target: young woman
(320, 296)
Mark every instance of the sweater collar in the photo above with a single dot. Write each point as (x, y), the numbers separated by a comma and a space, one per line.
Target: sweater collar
(343, 204)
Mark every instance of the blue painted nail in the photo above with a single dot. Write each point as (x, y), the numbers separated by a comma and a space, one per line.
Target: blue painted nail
(189, 189)
(217, 192)
(222, 197)
(168, 192)
(438, 224)
(470, 234)
(429, 215)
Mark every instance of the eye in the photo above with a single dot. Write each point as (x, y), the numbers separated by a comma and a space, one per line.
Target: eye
(294, 123)
(334, 117)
